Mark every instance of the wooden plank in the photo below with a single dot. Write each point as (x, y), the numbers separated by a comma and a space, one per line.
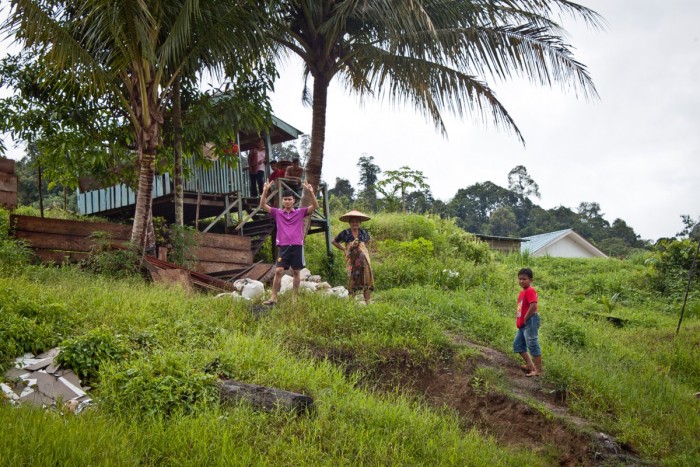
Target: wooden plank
(60, 257)
(221, 255)
(174, 276)
(119, 232)
(49, 241)
(7, 166)
(8, 182)
(232, 242)
(208, 267)
(8, 199)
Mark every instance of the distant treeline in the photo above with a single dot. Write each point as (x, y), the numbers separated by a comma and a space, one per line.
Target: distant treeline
(489, 209)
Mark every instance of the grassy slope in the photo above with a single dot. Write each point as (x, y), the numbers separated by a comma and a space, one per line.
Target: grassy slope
(157, 404)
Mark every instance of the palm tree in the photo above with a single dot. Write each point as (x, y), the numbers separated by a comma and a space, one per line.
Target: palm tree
(135, 50)
(427, 52)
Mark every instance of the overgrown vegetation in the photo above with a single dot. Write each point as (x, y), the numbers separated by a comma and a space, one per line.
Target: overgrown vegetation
(153, 356)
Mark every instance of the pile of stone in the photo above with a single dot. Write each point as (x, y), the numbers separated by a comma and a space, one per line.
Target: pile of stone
(250, 289)
(39, 381)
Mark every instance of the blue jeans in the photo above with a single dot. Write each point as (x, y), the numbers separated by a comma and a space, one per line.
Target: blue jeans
(527, 339)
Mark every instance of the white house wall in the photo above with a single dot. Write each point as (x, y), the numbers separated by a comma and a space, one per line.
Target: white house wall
(564, 248)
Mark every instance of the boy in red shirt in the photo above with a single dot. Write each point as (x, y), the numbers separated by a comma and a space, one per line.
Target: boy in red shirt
(527, 321)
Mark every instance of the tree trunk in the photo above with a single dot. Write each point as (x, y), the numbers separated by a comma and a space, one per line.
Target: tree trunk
(314, 164)
(177, 151)
(147, 139)
(144, 200)
(318, 136)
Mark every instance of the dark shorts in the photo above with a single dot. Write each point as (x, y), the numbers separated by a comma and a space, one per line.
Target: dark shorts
(291, 256)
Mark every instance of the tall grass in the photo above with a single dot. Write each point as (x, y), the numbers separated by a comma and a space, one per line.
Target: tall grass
(618, 363)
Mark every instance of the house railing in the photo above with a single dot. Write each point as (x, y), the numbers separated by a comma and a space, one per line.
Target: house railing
(217, 177)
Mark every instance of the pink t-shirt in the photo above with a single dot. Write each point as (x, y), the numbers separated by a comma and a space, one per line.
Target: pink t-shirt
(256, 160)
(290, 225)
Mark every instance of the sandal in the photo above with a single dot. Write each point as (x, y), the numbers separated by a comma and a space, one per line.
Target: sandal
(269, 302)
(526, 368)
(533, 373)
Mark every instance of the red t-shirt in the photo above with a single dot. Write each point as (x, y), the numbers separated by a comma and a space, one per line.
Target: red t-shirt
(526, 297)
(276, 174)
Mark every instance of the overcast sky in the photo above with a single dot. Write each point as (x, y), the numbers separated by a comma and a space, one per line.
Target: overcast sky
(635, 151)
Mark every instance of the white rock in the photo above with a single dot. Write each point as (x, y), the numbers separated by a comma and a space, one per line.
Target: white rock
(253, 289)
(315, 278)
(323, 287)
(339, 291)
(306, 285)
(286, 283)
(304, 274)
(233, 295)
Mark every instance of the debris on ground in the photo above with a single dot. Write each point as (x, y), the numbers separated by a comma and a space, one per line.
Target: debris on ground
(39, 381)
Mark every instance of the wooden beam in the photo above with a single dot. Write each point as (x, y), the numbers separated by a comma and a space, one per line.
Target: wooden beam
(233, 242)
(209, 267)
(221, 255)
(7, 166)
(48, 241)
(8, 182)
(119, 232)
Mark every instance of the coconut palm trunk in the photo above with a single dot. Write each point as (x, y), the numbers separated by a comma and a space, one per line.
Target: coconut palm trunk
(314, 164)
(177, 154)
(144, 100)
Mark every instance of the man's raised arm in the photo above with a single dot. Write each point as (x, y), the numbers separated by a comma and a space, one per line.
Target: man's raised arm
(263, 197)
(314, 201)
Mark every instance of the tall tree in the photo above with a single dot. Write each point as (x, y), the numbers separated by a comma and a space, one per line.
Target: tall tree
(134, 51)
(428, 53)
(397, 184)
(369, 174)
(520, 182)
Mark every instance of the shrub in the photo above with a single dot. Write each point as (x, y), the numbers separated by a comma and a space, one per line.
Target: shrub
(19, 334)
(163, 385)
(110, 262)
(87, 353)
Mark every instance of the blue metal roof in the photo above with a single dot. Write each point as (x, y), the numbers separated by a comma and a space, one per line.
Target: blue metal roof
(537, 242)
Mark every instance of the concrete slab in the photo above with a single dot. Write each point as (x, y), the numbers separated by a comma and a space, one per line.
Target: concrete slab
(76, 389)
(71, 377)
(37, 399)
(49, 353)
(53, 368)
(40, 364)
(13, 373)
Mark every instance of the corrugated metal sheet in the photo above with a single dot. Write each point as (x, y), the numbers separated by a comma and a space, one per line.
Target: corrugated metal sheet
(537, 242)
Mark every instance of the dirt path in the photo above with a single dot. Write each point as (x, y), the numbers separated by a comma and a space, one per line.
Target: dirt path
(490, 392)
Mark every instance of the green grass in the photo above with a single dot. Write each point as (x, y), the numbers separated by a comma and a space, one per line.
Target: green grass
(155, 353)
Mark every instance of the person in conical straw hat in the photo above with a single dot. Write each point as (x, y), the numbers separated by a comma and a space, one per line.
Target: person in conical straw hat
(360, 276)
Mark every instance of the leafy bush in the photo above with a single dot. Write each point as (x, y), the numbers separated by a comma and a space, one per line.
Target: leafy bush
(671, 262)
(163, 385)
(19, 334)
(86, 354)
(110, 262)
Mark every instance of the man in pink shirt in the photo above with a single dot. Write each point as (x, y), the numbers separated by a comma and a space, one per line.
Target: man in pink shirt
(290, 236)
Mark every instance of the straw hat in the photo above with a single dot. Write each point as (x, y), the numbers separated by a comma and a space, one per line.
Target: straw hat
(354, 215)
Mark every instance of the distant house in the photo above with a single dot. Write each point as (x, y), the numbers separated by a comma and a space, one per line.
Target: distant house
(562, 243)
(503, 244)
